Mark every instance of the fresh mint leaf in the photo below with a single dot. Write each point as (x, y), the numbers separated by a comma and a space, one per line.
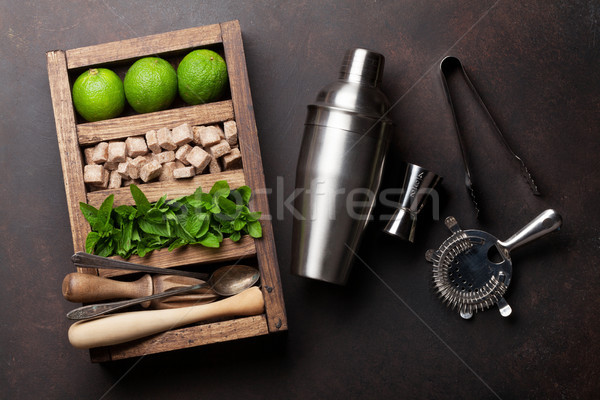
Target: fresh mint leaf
(255, 229)
(155, 228)
(126, 235)
(220, 189)
(239, 224)
(193, 224)
(254, 216)
(177, 243)
(107, 248)
(226, 227)
(241, 195)
(103, 217)
(227, 206)
(211, 240)
(154, 215)
(141, 201)
(127, 212)
(90, 213)
(235, 236)
(90, 241)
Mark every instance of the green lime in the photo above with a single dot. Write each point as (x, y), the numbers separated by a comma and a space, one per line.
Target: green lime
(150, 84)
(202, 76)
(98, 94)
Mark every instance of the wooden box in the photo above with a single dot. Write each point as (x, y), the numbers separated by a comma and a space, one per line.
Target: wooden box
(74, 134)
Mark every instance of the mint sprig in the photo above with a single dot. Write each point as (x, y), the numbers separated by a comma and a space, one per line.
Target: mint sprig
(200, 218)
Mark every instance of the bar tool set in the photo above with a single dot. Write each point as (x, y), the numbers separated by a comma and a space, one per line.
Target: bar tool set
(344, 148)
(190, 297)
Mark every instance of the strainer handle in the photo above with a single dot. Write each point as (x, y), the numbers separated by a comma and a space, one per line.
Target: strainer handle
(541, 225)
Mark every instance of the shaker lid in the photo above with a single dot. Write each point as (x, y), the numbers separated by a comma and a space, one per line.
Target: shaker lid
(362, 66)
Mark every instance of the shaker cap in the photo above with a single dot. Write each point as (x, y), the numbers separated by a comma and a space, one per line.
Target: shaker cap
(362, 66)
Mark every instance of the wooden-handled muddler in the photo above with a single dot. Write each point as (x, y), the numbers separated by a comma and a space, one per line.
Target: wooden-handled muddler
(87, 288)
(124, 327)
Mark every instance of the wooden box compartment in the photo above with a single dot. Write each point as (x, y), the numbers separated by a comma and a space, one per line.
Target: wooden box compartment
(74, 135)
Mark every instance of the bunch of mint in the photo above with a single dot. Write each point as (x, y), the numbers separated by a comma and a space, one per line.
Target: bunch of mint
(200, 218)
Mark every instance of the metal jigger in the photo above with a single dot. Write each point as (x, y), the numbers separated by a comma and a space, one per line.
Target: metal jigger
(416, 189)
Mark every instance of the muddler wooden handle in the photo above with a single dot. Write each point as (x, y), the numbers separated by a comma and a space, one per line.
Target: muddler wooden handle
(124, 327)
(87, 288)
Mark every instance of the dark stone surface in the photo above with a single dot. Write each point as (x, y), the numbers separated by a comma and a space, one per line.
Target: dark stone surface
(384, 335)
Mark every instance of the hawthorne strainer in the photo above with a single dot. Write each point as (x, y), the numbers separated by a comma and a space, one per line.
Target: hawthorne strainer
(472, 269)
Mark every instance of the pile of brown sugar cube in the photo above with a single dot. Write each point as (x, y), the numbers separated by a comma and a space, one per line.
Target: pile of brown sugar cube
(162, 155)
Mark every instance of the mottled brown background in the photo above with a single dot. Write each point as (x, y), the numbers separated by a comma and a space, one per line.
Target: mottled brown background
(384, 335)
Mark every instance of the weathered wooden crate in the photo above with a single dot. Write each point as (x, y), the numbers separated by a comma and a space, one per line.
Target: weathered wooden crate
(73, 134)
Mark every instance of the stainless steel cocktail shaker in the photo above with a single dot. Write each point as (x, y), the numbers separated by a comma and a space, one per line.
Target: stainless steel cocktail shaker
(339, 169)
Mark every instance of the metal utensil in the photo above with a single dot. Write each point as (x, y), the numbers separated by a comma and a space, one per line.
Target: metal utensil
(346, 136)
(447, 65)
(225, 281)
(472, 269)
(89, 288)
(85, 260)
(417, 187)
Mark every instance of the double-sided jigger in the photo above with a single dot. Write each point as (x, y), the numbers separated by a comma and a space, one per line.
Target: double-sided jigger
(416, 189)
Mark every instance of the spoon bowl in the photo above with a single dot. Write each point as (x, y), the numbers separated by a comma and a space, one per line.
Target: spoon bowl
(233, 279)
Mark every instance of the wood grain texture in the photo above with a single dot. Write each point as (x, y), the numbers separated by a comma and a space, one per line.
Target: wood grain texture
(253, 171)
(71, 158)
(191, 254)
(144, 46)
(119, 128)
(190, 337)
(238, 108)
(70, 153)
(173, 189)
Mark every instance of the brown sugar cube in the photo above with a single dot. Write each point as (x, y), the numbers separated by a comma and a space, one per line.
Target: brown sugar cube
(198, 158)
(114, 180)
(219, 149)
(104, 183)
(88, 153)
(122, 168)
(233, 160)
(133, 171)
(179, 164)
(117, 152)
(94, 174)
(182, 153)
(165, 157)
(165, 140)
(136, 146)
(182, 134)
(139, 161)
(111, 165)
(150, 171)
(184, 172)
(166, 174)
(230, 130)
(206, 135)
(152, 141)
(205, 170)
(135, 166)
(100, 154)
(213, 166)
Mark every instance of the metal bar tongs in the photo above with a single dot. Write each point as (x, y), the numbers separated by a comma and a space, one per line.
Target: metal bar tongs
(447, 65)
